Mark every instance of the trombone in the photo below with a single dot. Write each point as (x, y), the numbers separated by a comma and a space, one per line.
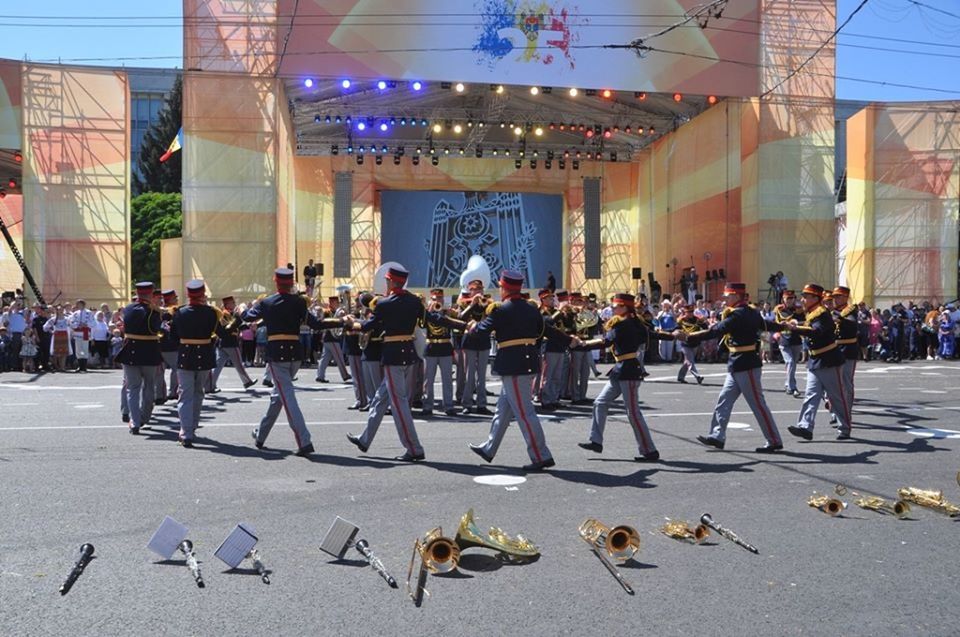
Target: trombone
(619, 543)
(438, 554)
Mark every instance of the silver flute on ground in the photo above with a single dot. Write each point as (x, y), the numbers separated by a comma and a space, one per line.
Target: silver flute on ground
(364, 547)
(86, 554)
(727, 533)
(186, 547)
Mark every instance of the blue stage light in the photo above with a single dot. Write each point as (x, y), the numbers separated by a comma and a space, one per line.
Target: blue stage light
(383, 127)
(308, 83)
(345, 84)
(361, 125)
(382, 85)
(416, 86)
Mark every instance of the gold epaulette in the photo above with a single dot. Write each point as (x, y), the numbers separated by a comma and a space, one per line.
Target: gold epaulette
(491, 306)
(611, 323)
(533, 303)
(727, 311)
(814, 314)
(847, 311)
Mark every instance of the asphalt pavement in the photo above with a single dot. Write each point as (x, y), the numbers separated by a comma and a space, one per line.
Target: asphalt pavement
(70, 473)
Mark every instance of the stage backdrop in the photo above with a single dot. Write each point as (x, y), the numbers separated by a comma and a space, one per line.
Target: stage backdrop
(434, 233)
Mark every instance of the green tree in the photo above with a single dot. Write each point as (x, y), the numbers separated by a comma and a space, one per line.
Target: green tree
(153, 216)
(160, 176)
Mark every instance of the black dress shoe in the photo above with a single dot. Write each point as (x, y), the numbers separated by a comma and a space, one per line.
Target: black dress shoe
(125, 417)
(355, 439)
(583, 401)
(364, 408)
(451, 412)
(249, 383)
(134, 431)
(256, 439)
(160, 401)
(833, 419)
(841, 435)
(348, 378)
(711, 442)
(800, 432)
(417, 404)
(484, 411)
(303, 452)
(591, 446)
(681, 381)
(478, 449)
(410, 457)
(653, 456)
(539, 466)
(426, 412)
(548, 407)
(354, 406)
(768, 448)
(322, 380)
(186, 443)
(267, 383)
(465, 411)
(699, 380)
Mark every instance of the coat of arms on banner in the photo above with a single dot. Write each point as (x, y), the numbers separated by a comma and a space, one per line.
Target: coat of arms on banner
(537, 29)
(490, 224)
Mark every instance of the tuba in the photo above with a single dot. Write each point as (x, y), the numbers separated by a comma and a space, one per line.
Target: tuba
(379, 277)
(438, 554)
(477, 270)
(619, 543)
(585, 319)
(469, 536)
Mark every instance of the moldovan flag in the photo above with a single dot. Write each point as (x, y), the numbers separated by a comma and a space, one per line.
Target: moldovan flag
(174, 146)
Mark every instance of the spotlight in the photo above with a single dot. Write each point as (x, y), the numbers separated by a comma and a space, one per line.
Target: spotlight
(361, 125)
(640, 95)
(349, 150)
(12, 183)
(538, 131)
(548, 164)
(576, 164)
(416, 86)
(383, 149)
(582, 127)
(495, 152)
(534, 90)
(361, 148)
(503, 124)
(435, 161)
(506, 152)
(17, 157)
(578, 154)
(396, 160)
(536, 153)
(628, 129)
(327, 119)
(348, 120)
(457, 129)
(334, 150)
(573, 92)
(651, 131)
(522, 152)
(613, 156)
(461, 151)
(518, 164)
(607, 133)
(337, 119)
(459, 88)
(379, 160)
(616, 129)
(711, 99)
(552, 126)
(446, 150)
(563, 126)
(478, 152)
(566, 153)
(469, 123)
(606, 94)
(517, 130)
(403, 121)
(562, 164)
(419, 150)
(345, 84)
(423, 122)
(382, 85)
(499, 89)
(359, 160)
(401, 151)
(677, 97)
(589, 133)
(308, 82)
(416, 160)
(437, 128)
(383, 127)
(533, 164)
(481, 124)
(433, 151)
(393, 121)
(316, 119)
(639, 130)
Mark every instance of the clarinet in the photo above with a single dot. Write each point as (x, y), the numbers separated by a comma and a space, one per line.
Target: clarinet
(727, 533)
(86, 554)
(364, 547)
(257, 564)
(186, 547)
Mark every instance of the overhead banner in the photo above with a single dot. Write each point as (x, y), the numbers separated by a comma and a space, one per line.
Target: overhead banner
(687, 46)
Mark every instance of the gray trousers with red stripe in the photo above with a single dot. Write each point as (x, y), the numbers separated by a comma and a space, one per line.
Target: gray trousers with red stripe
(331, 351)
(359, 386)
(282, 397)
(393, 392)
(515, 403)
(748, 384)
(601, 405)
(233, 355)
(827, 380)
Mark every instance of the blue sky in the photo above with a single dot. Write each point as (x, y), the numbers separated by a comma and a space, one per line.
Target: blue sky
(891, 41)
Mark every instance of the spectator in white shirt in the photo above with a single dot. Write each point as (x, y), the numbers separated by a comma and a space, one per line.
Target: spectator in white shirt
(100, 333)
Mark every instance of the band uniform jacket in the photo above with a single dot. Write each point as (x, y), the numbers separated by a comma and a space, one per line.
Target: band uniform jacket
(518, 326)
(740, 330)
(282, 314)
(141, 328)
(555, 340)
(847, 332)
(230, 334)
(168, 341)
(440, 328)
(624, 335)
(783, 314)
(822, 342)
(397, 316)
(473, 340)
(193, 323)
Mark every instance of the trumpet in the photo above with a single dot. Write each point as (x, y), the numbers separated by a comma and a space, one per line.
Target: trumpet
(900, 508)
(929, 499)
(619, 543)
(681, 531)
(830, 506)
(438, 554)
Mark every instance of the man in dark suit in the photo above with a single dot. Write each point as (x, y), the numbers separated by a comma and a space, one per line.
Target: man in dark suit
(140, 355)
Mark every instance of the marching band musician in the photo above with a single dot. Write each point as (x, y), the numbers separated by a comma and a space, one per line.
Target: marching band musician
(623, 334)
(740, 328)
(459, 359)
(282, 313)
(229, 347)
(554, 349)
(169, 346)
(397, 316)
(140, 355)
(689, 323)
(565, 321)
(195, 326)
(476, 353)
(845, 316)
(824, 367)
(439, 355)
(372, 351)
(354, 354)
(331, 346)
(159, 382)
(580, 358)
(517, 325)
(790, 342)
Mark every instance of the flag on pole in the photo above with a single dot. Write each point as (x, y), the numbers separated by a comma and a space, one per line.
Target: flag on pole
(174, 146)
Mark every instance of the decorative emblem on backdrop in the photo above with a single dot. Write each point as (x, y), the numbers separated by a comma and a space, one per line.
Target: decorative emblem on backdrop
(539, 30)
(490, 224)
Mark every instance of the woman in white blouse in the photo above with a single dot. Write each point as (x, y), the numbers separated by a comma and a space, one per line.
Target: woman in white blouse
(60, 343)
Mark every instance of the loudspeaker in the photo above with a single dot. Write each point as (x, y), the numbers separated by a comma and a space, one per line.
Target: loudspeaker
(723, 275)
(637, 273)
(319, 269)
(592, 251)
(342, 219)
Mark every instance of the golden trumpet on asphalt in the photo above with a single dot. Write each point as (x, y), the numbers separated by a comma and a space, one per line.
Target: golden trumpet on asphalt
(929, 499)
(899, 508)
(830, 506)
(438, 554)
(682, 531)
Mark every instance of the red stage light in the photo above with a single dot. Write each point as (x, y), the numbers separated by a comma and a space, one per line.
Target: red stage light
(677, 97)
(589, 133)
(641, 96)
(3, 194)
(712, 99)
(17, 157)
(563, 126)
(12, 183)
(607, 134)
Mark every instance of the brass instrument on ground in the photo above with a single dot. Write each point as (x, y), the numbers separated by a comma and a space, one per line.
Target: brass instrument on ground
(705, 519)
(899, 508)
(682, 531)
(469, 536)
(619, 543)
(929, 499)
(438, 554)
(830, 506)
